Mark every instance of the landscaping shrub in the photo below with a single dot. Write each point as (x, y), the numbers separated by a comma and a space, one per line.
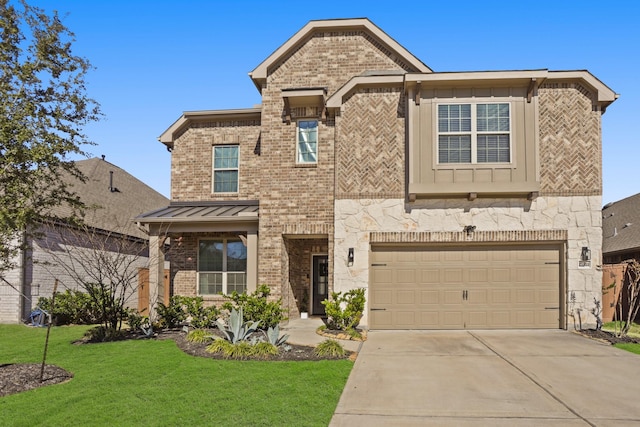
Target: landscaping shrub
(329, 348)
(172, 315)
(191, 309)
(345, 311)
(256, 307)
(199, 336)
(199, 316)
(103, 334)
(72, 307)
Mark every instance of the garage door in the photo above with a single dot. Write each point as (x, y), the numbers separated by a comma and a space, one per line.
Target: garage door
(471, 287)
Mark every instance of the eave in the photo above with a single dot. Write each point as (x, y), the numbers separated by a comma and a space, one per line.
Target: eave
(169, 135)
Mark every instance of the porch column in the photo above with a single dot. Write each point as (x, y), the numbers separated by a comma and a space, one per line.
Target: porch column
(156, 272)
(252, 260)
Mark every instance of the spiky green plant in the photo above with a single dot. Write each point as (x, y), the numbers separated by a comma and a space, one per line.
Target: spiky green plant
(236, 329)
(329, 348)
(218, 346)
(273, 336)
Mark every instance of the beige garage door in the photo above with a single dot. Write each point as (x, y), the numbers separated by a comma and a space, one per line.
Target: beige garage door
(471, 287)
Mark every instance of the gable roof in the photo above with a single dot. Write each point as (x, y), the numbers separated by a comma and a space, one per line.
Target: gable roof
(621, 225)
(116, 196)
(259, 74)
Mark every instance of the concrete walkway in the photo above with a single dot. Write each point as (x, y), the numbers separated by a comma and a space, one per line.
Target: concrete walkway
(303, 332)
(496, 378)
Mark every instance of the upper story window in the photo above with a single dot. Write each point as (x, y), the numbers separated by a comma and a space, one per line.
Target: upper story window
(474, 133)
(225, 168)
(222, 266)
(307, 144)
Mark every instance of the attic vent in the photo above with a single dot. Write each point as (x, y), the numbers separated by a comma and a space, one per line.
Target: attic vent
(111, 187)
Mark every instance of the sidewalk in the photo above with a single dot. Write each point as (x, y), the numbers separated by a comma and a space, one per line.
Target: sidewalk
(303, 332)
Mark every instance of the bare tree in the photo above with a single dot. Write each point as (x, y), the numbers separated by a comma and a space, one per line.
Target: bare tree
(102, 263)
(629, 300)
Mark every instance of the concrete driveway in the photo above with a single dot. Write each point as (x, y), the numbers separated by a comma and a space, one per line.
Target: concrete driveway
(496, 378)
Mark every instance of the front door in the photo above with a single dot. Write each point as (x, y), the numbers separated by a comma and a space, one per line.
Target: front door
(320, 283)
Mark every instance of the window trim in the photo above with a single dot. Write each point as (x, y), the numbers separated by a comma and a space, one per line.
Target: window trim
(225, 241)
(300, 162)
(214, 169)
(473, 102)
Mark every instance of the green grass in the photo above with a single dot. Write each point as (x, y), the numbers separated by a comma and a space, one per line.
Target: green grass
(153, 383)
(633, 348)
(634, 330)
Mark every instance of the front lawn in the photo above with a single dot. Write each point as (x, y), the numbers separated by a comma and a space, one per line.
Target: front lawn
(633, 348)
(149, 382)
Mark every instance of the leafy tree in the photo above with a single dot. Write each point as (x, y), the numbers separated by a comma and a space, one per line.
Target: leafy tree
(43, 109)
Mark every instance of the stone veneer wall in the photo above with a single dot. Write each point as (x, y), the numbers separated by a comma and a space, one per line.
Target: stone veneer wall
(576, 219)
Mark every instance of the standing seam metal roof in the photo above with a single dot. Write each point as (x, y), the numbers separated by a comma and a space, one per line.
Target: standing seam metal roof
(246, 210)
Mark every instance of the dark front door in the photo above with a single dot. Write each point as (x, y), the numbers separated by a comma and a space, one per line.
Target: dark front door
(320, 283)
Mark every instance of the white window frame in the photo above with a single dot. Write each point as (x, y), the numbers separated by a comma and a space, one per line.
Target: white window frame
(225, 273)
(299, 159)
(214, 169)
(473, 133)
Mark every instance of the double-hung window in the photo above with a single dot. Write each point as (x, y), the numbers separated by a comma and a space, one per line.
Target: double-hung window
(307, 142)
(474, 133)
(225, 168)
(222, 266)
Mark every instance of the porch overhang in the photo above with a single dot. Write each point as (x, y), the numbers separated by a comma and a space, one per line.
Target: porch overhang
(203, 216)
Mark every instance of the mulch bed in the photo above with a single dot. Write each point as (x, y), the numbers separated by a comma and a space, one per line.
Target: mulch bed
(296, 352)
(19, 377)
(606, 336)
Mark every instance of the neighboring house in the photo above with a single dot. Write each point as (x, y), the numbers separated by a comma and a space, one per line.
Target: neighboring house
(114, 198)
(457, 199)
(621, 230)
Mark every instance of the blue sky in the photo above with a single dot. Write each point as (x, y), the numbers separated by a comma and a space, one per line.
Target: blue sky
(156, 59)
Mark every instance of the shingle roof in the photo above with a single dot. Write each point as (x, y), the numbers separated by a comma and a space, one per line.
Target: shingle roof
(117, 196)
(621, 225)
(246, 210)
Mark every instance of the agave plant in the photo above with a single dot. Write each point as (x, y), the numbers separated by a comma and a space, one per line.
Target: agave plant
(273, 336)
(236, 329)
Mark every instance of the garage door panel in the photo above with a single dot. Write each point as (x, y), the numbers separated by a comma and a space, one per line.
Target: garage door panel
(430, 276)
(429, 319)
(500, 275)
(381, 297)
(452, 296)
(405, 319)
(500, 296)
(506, 287)
(406, 297)
(453, 275)
(548, 296)
(406, 276)
(478, 275)
(452, 319)
(429, 297)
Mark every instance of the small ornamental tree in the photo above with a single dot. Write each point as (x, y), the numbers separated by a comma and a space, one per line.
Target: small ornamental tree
(629, 301)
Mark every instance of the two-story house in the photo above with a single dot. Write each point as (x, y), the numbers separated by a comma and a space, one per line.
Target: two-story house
(457, 200)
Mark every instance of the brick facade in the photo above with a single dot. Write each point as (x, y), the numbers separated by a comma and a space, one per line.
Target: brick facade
(357, 193)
